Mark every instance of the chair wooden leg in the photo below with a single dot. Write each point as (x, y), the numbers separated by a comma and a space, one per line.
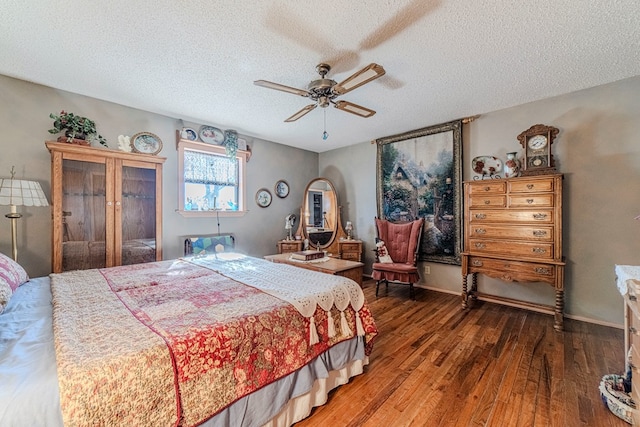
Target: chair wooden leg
(377, 286)
(412, 294)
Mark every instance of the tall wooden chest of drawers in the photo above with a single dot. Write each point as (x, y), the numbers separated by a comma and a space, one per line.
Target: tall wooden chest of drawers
(513, 232)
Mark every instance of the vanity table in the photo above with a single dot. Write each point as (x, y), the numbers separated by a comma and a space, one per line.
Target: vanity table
(320, 224)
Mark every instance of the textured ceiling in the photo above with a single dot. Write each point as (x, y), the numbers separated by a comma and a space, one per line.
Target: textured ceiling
(196, 60)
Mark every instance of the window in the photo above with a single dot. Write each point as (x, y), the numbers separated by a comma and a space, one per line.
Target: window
(210, 181)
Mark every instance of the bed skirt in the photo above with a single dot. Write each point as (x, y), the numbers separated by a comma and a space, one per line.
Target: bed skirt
(300, 407)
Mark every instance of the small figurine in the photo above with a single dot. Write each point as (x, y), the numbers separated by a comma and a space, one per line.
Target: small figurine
(124, 143)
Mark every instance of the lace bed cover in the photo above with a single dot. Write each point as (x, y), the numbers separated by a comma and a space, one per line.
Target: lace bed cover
(283, 281)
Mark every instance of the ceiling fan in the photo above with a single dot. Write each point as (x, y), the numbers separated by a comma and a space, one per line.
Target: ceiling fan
(324, 91)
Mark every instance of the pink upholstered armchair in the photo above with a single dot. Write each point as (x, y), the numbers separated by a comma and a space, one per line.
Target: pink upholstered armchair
(402, 242)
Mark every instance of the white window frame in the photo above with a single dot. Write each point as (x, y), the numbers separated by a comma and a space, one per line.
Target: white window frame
(242, 157)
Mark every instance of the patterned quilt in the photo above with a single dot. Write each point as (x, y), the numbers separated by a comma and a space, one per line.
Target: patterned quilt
(175, 342)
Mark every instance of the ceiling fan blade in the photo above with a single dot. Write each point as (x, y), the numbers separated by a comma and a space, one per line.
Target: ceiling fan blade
(352, 108)
(277, 86)
(367, 74)
(403, 19)
(301, 113)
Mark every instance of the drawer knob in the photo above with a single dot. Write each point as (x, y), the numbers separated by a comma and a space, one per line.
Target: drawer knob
(487, 188)
(542, 270)
(539, 250)
(539, 233)
(539, 216)
(487, 202)
(529, 201)
(632, 298)
(480, 245)
(530, 186)
(480, 216)
(476, 263)
(480, 231)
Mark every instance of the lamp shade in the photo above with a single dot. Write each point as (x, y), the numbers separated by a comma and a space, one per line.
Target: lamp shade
(19, 192)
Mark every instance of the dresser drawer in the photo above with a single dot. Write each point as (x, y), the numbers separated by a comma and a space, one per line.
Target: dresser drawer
(351, 246)
(488, 200)
(517, 232)
(530, 200)
(513, 270)
(531, 185)
(537, 250)
(351, 256)
(543, 216)
(476, 188)
(350, 250)
(286, 247)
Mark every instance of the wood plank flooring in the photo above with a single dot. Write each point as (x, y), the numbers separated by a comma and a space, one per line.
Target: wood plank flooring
(434, 364)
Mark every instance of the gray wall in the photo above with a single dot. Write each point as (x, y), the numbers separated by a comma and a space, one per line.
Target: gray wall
(597, 149)
(24, 120)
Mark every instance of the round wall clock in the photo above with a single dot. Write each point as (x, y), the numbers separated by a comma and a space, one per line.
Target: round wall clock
(536, 142)
(263, 198)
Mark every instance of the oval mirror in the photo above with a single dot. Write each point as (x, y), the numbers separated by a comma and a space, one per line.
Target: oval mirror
(320, 213)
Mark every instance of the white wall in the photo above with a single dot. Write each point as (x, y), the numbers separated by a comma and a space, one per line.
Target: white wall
(597, 150)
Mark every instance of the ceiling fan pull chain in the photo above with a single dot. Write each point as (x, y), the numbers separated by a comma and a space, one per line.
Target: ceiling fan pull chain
(325, 135)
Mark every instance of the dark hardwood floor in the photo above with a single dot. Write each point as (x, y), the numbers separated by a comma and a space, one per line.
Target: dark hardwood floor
(436, 365)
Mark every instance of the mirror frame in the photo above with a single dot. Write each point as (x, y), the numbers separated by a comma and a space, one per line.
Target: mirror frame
(338, 232)
(428, 162)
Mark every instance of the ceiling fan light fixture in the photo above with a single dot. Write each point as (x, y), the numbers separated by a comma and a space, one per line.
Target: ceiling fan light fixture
(364, 76)
(352, 108)
(323, 101)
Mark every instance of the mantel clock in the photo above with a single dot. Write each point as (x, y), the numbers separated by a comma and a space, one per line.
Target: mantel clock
(536, 142)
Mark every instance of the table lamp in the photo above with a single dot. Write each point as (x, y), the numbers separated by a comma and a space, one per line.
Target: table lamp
(349, 229)
(19, 192)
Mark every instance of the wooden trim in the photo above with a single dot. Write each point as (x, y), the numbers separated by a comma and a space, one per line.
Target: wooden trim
(81, 150)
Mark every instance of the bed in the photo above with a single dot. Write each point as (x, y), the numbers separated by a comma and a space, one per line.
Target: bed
(174, 343)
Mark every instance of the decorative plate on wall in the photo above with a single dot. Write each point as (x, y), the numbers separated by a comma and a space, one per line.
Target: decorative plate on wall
(282, 189)
(263, 197)
(211, 135)
(146, 143)
(190, 134)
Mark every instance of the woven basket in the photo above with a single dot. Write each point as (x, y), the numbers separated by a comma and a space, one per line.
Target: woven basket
(615, 398)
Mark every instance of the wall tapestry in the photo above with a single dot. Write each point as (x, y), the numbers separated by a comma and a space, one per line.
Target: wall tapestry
(420, 176)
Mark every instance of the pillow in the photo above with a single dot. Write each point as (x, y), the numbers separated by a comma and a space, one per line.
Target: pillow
(12, 272)
(383, 254)
(5, 294)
